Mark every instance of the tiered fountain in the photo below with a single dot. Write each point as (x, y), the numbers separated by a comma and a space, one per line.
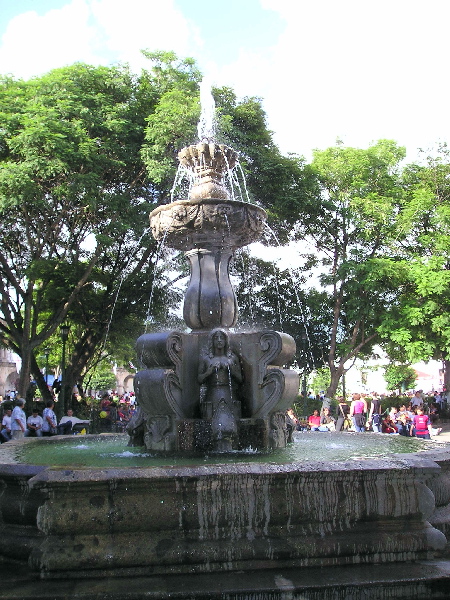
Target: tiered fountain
(237, 531)
(212, 390)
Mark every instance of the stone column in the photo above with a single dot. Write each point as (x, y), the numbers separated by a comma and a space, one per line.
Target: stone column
(210, 300)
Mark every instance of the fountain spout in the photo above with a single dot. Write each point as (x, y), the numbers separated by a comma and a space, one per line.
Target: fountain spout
(208, 162)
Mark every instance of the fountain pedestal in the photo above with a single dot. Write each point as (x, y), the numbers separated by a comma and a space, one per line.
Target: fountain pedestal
(175, 402)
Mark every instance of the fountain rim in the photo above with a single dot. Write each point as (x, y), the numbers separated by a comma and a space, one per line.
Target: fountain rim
(194, 201)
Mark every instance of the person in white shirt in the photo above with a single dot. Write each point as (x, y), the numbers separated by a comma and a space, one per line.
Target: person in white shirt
(18, 420)
(67, 423)
(34, 424)
(49, 418)
(417, 400)
(5, 433)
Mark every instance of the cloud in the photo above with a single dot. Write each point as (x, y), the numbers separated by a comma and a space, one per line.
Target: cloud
(93, 31)
(34, 44)
(154, 25)
(359, 71)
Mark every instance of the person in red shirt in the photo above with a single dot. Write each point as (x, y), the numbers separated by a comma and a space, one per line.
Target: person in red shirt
(388, 425)
(314, 421)
(421, 425)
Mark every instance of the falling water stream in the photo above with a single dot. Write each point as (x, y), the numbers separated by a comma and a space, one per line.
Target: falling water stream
(297, 296)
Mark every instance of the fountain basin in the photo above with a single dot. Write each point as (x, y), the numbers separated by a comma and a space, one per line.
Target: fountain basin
(95, 522)
(207, 223)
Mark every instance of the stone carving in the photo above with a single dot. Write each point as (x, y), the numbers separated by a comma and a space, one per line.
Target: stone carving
(220, 371)
(207, 162)
(207, 223)
(158, 433)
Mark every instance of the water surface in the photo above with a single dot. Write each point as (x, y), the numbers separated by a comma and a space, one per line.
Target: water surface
(112, 451)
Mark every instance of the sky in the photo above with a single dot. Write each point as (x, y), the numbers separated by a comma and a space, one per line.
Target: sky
(353, 70)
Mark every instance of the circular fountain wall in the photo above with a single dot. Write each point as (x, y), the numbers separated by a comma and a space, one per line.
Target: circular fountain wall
(72, 521)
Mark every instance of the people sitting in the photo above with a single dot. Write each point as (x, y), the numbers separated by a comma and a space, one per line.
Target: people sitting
(292, 423)
(70, 422)
(403, 423)
(388, 425)
(5, 432)
(34, 424)
(123, 416)
(50, 420)
(421, 424)
(327, 422)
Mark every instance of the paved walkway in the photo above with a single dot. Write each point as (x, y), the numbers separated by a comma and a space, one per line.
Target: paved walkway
(444, 436)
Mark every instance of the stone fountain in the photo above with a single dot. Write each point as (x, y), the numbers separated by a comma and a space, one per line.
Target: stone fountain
(212, 389)
(235, 531)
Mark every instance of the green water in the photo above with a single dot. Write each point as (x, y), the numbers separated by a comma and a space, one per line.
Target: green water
(112, 451)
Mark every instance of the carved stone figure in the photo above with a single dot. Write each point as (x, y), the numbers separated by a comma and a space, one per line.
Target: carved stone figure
(220, 371)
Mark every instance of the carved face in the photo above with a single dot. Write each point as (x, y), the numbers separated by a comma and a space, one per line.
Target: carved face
(219, 340)
(179, 213)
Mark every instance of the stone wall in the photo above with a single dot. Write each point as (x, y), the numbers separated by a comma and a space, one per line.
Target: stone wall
(97, 522)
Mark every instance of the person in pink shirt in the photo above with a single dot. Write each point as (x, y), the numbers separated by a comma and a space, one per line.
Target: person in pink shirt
(314, 421)
(421, 425)
(358, 409)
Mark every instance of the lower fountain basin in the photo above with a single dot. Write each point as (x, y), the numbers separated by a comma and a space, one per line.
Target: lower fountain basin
(71, 521)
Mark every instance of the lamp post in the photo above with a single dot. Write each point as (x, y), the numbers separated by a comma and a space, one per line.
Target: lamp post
(64, 332)
(46, 354)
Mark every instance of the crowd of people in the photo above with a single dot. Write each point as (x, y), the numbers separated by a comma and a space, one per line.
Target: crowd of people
(15, 425)
(416, 417)
(110, 413)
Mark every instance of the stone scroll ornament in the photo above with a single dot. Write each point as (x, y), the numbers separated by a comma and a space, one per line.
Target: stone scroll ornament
(238, 397)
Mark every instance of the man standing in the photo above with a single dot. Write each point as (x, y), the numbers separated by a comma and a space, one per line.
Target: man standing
(417, 400)
(18, 420)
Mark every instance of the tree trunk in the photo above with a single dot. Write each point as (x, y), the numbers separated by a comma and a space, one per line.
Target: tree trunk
(336, 374)
(446, 375)
(25, 370)
(40, 381)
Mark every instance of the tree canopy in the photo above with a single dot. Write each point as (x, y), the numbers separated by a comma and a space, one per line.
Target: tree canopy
(87, 152)
(74, 200)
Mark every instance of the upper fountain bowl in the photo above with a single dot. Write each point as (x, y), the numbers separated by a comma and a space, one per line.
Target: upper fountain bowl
(209, 218)
(207, 223)
(208, 162)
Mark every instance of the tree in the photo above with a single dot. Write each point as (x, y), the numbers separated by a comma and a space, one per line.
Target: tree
(74, 201)
(402, 377)
(352, 230)
(418, 326)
